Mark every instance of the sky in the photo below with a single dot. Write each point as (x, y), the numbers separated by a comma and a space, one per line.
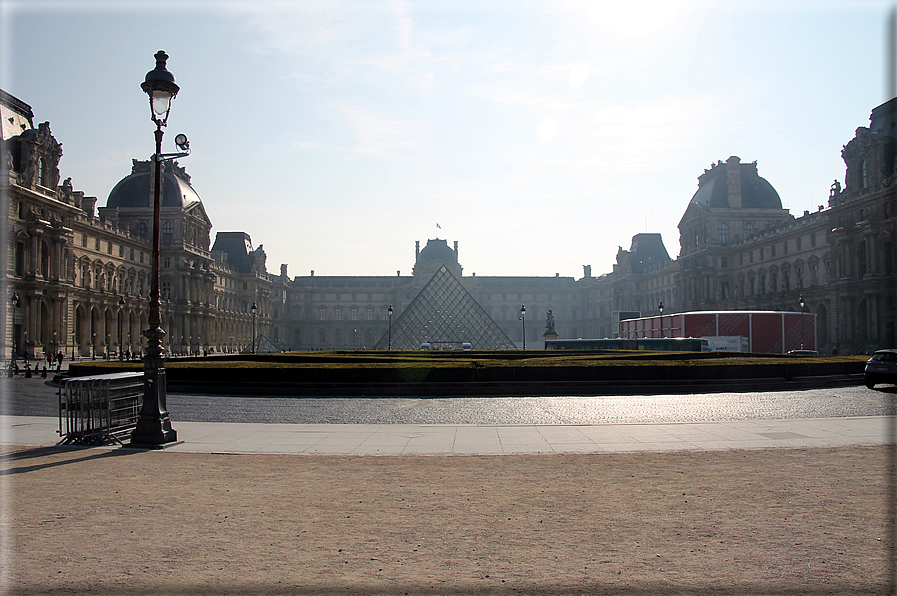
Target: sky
(540, 135)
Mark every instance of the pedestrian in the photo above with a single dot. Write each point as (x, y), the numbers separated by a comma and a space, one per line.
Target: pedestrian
(50, 359)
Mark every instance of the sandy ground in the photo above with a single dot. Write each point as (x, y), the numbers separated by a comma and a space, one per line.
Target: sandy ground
(116, 521)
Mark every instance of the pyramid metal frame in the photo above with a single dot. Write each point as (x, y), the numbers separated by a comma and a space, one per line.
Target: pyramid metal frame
(445, 315)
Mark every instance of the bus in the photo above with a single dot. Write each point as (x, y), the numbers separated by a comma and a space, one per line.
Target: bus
(654, 344)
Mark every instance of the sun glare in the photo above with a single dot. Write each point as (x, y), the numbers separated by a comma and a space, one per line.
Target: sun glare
(636, 19)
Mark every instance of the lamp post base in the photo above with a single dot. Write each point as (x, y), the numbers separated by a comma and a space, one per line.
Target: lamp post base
(153, 435)
(154, 425)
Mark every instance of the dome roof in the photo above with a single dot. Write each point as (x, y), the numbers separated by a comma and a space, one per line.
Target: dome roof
(437, 249)
(133, 191)
(756, 192)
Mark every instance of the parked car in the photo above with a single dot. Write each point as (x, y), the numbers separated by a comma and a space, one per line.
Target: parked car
(881, 368)
(803, 353)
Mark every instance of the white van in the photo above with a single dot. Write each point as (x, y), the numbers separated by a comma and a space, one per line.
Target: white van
(466, 347)
(425, 346)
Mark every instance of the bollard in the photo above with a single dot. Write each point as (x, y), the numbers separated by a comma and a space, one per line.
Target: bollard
(43, 373)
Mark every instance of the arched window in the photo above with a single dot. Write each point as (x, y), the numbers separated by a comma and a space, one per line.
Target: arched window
(167, 232)
(42, 173)
(141, 228)
(723, 232)
(748, 230)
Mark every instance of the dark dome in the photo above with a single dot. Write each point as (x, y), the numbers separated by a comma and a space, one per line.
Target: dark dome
(134, 190)
(756, 192)
(437, 250)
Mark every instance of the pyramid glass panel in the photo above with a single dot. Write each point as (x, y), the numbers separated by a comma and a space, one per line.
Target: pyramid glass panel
(445, 315)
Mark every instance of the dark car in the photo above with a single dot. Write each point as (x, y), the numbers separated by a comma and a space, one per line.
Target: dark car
(881, 368)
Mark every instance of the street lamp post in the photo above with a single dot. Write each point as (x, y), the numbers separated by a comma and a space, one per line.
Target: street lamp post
(121, 310)
(55, 345)
(16, 303)
(800, 301)
(389, 331)
(523, 319)
(154, 426)
(254, 309)
(660, 308)
(73, 344)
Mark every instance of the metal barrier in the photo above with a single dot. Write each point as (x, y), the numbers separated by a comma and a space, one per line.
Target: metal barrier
(99, 410)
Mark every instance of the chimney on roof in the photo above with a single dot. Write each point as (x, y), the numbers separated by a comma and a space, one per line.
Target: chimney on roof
(733, 177)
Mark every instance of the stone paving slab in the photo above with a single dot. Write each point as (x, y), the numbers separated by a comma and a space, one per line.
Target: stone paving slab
(438, 439)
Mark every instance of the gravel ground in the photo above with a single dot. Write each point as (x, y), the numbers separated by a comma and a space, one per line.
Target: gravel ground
(782, 521)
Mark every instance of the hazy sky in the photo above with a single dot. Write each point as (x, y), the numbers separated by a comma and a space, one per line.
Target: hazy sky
(540, 135)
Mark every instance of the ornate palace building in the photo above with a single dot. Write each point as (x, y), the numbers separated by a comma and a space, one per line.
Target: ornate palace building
(77, 275)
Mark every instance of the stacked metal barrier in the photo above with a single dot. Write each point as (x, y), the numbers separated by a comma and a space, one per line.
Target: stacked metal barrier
(100, 409)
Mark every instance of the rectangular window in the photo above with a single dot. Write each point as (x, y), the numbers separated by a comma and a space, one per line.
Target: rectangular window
(798, 241)
(339, 314)
(369, 314)
(109, 247)
(322, 313)
(121, 250)
(166, 262)
(20, 259)
(84, 240)
(97, 243)
(166, 290)
(354, 313)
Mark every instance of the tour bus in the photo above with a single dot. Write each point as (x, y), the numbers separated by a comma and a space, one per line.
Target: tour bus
(657, 344)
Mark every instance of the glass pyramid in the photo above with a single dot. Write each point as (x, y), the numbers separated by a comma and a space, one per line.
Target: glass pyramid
(445, 315)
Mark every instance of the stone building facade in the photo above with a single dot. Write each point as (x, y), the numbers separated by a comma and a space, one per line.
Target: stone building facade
(739, 250)
(77, 275)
